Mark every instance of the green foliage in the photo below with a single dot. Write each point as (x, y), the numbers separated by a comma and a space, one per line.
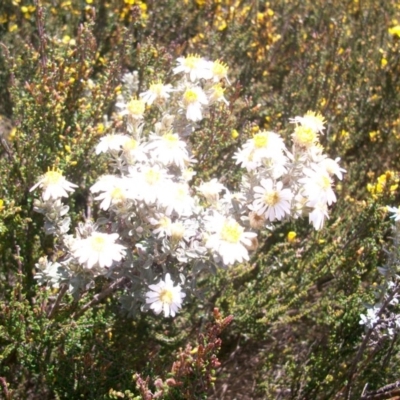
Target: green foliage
(89, 357)
(297, 303)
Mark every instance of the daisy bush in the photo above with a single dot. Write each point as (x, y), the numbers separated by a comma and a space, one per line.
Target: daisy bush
(158, 230)
(186, 167)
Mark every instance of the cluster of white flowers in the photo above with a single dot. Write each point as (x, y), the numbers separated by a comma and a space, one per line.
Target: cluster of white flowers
(160, 229)
(282, 183)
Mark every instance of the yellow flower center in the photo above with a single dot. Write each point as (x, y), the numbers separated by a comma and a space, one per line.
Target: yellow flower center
(218, 91)
(219, 69)
(98, 243)
(261, 140)
(152, 176)
(171, 140)
(190, 96)
(166, 296)
(304, 136)
(117, 194)
(271, 198)
(325, 182)
(110, 138)
(157, 88)
(136, 107)
(231, 232)
(130, 144)
(53, 177)
(177, 231)
(313, 119)
(164, 222)
(181, 193)
(191, 61)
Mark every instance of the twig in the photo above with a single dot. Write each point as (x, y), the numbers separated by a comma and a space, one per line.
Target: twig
(386, 392)
(364, 390)
(365, 363)
(18, 259)
(389, 353)
(6, 391)
(42, 34)
(7, 55)
(100, 296)
(57, 302)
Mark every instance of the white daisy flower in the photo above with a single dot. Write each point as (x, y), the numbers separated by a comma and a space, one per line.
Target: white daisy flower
(178, 232)
(318, 215)
(115, 191)
(194, 99)
(273, 167)
(265, 145)
(332, 167)
(229, 239)
(175, 231)
(210, 190)
(195, 66)
(216, 94)
(312, 120)
(396, 213)
(133, 151)
(271, 200)
(177, 198)
(188, 173)
(112, 142)
(318, 185)
(148, 183)
(162, 225)
(98, 249)
(157, 92)
(54, 185)
(219, 71)
(134, 108)
(316, 153)
(305, 137)
(245, 156)
(168, 149)
(103, 183)
(166, 297)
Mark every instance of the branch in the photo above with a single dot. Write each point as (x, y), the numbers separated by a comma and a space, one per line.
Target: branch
(386, 392)
(57, 302)
(5, 387)
(42, 34)
(100, 296)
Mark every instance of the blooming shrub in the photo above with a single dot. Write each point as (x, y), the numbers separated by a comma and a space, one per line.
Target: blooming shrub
(160, 227)
(296, 331)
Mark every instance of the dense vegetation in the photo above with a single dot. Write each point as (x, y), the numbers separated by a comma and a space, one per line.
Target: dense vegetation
(296, 305)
